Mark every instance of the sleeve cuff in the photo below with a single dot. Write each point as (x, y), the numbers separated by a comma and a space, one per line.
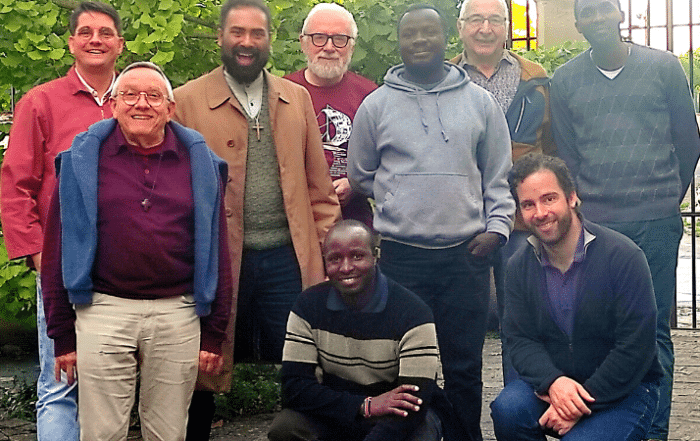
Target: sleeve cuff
(64, 345)
(210, 343)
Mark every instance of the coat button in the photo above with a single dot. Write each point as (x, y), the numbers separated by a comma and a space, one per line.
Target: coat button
(229, 212)
(230, 143)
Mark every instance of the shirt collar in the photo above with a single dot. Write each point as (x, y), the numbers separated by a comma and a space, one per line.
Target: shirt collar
(505, 57)
(121, 145)
(585, 239)
(99, 100)
(375, 305)
(248, 95)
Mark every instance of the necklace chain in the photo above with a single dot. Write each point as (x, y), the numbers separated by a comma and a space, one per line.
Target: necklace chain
(146, 202)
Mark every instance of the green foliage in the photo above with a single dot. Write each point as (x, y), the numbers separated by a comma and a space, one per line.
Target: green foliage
(17, 291)
(18, 400)
(685, 62)
(180, 35)
(553, 57)
(255, 389)
(376, 48)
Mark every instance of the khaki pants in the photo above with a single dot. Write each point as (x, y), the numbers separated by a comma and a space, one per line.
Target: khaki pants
(116, 339)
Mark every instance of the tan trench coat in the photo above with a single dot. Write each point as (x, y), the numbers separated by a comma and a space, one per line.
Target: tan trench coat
(207, 105)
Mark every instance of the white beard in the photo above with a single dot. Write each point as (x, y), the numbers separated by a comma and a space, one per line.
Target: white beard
(328, 70)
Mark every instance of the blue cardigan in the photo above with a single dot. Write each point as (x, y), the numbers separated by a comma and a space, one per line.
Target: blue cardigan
(77, 171)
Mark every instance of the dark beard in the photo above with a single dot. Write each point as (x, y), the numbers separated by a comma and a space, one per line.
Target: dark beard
(244, 74)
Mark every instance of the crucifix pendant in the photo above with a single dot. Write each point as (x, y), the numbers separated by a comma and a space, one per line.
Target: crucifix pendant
(257, 128)
(146, 204)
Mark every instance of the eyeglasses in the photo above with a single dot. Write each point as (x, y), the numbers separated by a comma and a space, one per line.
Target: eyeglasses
(478, 20)
(130, 98)
(320, 40)
(86, 33)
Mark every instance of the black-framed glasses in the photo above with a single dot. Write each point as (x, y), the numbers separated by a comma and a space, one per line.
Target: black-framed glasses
(320, 40)
(154, 99)
(478, 20)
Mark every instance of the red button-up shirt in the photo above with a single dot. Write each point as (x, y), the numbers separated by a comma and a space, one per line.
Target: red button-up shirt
(46, 120)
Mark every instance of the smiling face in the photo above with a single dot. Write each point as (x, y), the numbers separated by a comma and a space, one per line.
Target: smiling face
(96, 43)
(142, 124)
(327, 63)
(350, 262)
(486, 40)
(599, 21)
(422, 42)
(546, 210)
(245, 43)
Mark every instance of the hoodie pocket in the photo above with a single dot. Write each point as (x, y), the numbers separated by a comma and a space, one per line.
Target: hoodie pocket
(437, 205)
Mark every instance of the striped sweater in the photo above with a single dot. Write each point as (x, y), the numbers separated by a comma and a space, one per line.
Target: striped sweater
(360, 353)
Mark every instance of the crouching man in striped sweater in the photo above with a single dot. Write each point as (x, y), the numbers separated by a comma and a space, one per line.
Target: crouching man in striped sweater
(360, 356)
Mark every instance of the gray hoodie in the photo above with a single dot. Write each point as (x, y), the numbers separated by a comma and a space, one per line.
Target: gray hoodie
(435, 161)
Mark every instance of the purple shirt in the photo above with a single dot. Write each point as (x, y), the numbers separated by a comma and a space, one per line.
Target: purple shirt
(562, 288)
(145, 254)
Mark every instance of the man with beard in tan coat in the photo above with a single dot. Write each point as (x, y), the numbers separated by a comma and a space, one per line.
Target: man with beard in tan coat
(280, 200)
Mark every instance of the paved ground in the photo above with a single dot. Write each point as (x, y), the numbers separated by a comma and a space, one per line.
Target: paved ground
(685, 416)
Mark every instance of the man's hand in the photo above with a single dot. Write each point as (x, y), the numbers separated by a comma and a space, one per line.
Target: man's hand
(396, 402)
(484, 243)
(552, 420)
(36, 260)
(343, 190)
(67, 363)
(210, 363)
(568, 398)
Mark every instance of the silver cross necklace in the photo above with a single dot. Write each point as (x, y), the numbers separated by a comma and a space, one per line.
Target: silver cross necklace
(146, 202)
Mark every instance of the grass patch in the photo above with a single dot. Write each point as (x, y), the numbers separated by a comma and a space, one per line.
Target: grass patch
(255, 389)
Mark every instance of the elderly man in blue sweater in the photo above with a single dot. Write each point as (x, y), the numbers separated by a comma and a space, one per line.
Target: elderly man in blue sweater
(624, 122)
(136, 274)
(580, 321)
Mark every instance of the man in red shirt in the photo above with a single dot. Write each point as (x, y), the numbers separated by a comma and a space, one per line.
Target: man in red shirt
(328, 39)
(46, 120)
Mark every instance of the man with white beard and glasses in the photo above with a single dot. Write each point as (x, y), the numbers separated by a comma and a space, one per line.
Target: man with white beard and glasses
(328, 39)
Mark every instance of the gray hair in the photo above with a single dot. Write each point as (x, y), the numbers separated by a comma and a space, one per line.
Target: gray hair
(331, 7)
(467, 4)
(147, 65)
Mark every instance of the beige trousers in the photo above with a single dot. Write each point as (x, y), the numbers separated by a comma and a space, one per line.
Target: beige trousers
(118, 339)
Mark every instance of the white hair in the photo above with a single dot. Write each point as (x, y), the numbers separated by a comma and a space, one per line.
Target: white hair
(467, 3)
(331, 7)
(146, 65)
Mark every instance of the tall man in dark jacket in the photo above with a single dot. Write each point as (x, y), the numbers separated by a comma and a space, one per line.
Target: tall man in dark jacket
(624, 123)
(580, 321)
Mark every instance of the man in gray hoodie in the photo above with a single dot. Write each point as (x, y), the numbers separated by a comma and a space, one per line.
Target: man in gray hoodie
(433, 150)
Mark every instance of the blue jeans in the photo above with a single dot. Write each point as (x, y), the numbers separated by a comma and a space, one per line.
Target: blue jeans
(659, 239)
(516, 412)
(56, 406)
(516, 240)
(455, 285)
(269, 285)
